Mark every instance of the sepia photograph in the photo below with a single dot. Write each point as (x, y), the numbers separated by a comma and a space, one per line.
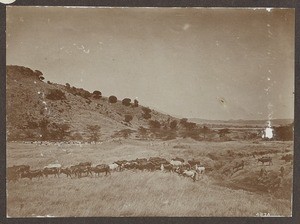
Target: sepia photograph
(149, 111)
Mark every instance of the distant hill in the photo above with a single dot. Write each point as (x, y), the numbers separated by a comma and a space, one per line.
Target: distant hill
(240, 122)
(29, 100)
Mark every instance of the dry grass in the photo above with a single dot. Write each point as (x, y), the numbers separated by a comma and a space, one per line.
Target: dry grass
(139, 193)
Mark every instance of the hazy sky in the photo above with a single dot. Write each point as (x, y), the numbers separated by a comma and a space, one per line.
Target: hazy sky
(197, 62)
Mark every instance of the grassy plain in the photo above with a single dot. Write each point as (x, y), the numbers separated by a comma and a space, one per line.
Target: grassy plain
(142, 193)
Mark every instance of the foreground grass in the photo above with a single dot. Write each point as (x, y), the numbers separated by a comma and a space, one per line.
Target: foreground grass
(135, 194)
(143, 193)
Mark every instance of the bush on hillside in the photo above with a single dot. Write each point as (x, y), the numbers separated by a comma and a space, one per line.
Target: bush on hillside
(56, 94)
(128, 118)
(97, 94)
(112, 99)
(126, 102)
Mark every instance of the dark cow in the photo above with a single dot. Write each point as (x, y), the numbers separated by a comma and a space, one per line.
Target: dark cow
(130, 165)
(85, 164)
(14, 172)
(158, 161)
(287, 157)
(51, 171)
(66, 171)
(79, 170)
(167, 167)
(194, 162)
(178, 159)
(238, 166)
(264, 160)
(32, 173)
(102, 168)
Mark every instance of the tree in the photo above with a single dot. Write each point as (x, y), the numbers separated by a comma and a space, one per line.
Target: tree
(68, 86)
(146, 110)
(146, 116)
(173, 124)
(126, 102)
(94, 132)
(56, 94)
(154, 124)
(39, 75)
(97, 94)
(128, 118)
(112, 99)
(284, 133)
(60, 131)
(142, 132)
(135, 103)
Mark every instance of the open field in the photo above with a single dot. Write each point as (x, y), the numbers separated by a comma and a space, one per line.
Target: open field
(142, 193)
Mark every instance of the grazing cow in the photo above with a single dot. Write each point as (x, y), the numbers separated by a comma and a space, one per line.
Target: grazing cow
(167, 167)
(238, 166)
(131, 165)
(200, 169)
(178, 159)
(53, 165)
(114, 167)
(194, 162)
(176, 163)
(190, 173)
(12, 175)
(101, 169)
(158, 161)
(66, 171)
(264, 160)
(51, 171)
(149, 166)
(85, 164)
(79, 170)
(121, 164)
(32, 173)
(287, 157)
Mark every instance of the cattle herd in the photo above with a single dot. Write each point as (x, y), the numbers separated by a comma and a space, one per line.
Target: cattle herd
(177, 165)
(192, 168)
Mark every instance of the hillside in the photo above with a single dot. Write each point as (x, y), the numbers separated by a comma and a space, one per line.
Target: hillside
(28, 103)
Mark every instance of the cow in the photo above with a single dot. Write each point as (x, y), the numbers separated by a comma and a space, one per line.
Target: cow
(178, 159)
(238, 166)
(131, 165)
(85, 164)
(101, 169)
(114, 167)
(287, 157)
(66, 171)
(176, 163)
(167, 167)
(194, 162)
(200, 169)
(51, 171)
(190, 173)
(32, 173)
(264, 160)
(79, 170)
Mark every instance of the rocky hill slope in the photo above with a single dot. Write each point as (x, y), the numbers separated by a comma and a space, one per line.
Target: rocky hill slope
(34, 105)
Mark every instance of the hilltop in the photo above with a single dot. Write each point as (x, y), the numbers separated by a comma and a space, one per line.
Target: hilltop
(30, 101)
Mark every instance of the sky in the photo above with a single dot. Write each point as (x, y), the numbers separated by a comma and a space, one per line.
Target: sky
(209, 63)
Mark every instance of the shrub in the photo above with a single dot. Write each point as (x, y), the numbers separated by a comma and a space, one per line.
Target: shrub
(173, 124)
(97, 94)
(135, 103)
(94, 132)
(128, 118)
(112, 99)
(146, 116)
(56, 94)
(126, 102)
(146, 110)
(154, 124)
(284, 133)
